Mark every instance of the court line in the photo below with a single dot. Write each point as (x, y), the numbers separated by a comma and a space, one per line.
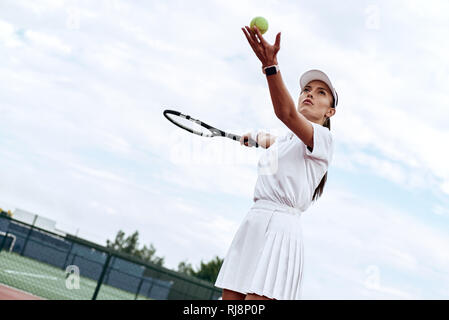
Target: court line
(33, 275)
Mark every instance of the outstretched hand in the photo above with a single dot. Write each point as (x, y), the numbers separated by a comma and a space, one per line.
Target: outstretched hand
(266, 52)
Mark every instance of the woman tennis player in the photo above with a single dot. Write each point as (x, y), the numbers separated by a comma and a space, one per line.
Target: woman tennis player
(265, 259)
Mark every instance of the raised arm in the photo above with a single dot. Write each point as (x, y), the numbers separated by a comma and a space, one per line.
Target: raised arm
(283, 104)
(286, 112)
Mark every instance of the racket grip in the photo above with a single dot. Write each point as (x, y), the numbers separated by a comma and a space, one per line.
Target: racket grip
(251, 142)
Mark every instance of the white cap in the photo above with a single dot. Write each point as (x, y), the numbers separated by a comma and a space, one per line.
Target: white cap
(312, 75)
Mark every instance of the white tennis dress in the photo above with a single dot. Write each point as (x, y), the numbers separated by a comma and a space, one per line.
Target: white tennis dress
(266, 256)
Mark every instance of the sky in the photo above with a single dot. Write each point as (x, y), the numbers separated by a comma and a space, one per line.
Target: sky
(84, 142)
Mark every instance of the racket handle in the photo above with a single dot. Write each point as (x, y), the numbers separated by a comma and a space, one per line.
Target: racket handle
(251, 142)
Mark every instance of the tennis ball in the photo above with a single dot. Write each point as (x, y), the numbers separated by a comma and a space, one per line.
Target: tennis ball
(261, 23)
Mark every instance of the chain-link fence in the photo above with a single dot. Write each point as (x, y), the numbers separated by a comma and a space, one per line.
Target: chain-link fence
(54, 266)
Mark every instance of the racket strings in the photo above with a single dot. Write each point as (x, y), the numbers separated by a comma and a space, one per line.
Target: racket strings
(191, 124)
(198, 127)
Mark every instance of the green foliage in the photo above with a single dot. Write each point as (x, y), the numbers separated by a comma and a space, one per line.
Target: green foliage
(5, 213)
(207, 271)
(130, 245)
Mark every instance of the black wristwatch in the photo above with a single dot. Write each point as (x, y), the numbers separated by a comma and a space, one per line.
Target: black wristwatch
(270, 70)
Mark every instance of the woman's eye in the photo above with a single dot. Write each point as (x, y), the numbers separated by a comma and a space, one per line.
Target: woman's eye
(322, 92)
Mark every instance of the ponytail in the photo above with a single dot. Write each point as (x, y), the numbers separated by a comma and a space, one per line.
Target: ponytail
(319, 189)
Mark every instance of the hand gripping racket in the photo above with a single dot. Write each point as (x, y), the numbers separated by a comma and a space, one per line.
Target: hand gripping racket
(202, 129)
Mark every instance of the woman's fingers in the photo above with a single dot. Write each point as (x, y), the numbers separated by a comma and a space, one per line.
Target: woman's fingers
(277, 44)
(244, 139)
(252, 43)
(248, 37)
(263, 50)
(250, 40)
(252, 34)
(260, 37)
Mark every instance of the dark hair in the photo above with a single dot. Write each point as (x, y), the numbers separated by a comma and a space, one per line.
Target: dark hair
(319, 189)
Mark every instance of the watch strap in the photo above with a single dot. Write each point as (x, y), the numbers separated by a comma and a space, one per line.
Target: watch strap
(270, 70)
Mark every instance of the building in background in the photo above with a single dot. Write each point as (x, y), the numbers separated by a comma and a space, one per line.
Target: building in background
(37, 221)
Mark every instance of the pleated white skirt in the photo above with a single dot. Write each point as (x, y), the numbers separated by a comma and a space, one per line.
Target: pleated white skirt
(266, 254)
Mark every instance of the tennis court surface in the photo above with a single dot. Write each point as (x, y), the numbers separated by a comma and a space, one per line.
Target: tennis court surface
(8, 293)
(36, 263)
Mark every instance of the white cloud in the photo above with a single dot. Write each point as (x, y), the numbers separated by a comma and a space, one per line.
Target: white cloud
(7, 35)
(356, 233)
(44, 40)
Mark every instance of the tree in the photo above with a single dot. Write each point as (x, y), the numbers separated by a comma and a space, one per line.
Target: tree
(207, 271)
(130, 245)
(148, 254)
(186, 268)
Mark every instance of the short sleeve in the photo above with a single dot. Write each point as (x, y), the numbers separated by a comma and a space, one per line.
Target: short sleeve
(322, 144)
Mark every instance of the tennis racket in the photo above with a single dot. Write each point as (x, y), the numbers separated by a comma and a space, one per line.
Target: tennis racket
(202, 129)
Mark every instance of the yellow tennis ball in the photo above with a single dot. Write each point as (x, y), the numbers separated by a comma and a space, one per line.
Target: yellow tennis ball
(261, 23)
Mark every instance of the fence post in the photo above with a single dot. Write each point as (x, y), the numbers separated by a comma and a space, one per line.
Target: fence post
(68, 255)
(108, 272)
(211, 294)
(103, 272)
(6, 235)
(150, 288)
(138, 288)
(28, 236)
(3, 241)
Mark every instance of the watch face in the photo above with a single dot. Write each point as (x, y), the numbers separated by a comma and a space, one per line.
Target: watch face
(271, 70)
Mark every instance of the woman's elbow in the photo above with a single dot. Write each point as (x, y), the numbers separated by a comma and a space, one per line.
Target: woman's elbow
(286, 117)
(283, 115)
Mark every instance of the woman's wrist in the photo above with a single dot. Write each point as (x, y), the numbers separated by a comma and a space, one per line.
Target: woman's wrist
(270, 63)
